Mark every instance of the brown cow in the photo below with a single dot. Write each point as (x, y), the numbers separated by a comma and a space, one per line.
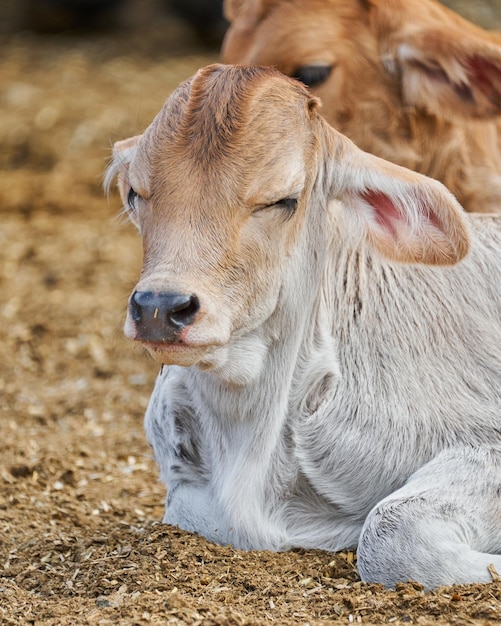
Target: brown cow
(408, 80)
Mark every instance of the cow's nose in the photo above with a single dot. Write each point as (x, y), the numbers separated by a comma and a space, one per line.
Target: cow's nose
(158, 312)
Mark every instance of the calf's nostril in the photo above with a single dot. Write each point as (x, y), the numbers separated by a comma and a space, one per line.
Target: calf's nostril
(184, 313)
(152, 310)
(135, 306)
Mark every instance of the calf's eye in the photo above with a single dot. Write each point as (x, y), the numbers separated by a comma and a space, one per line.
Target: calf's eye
(287, 205)
(312, 75)
(132, 200)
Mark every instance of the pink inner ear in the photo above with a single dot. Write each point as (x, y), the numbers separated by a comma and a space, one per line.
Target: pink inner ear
(487, 77)
(385, 211)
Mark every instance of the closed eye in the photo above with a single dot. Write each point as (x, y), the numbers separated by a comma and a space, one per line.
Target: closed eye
(287, 205)
(313, 75)
(133, 200)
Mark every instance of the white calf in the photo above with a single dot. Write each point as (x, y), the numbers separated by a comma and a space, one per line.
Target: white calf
(329, 396)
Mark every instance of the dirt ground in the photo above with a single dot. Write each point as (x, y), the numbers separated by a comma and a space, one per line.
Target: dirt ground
(80, 502)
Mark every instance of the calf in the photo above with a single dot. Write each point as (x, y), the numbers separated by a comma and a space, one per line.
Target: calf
(407, 80)
(332, 372)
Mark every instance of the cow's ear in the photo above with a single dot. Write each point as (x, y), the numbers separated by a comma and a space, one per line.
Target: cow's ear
(233, 8)
(255, 9)
(406, 216)
(446, 64)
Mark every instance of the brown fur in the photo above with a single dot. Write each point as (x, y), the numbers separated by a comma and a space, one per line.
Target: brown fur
(433, 110)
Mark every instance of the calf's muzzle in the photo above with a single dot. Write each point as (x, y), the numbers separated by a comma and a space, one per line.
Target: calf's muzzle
(161, 316)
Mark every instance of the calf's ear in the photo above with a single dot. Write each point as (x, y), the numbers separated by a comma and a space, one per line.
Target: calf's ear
(451, 77)
(406, 216)
(123, 153)
(447, 65)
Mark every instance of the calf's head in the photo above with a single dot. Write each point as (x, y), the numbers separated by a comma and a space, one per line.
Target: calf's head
(231, 188)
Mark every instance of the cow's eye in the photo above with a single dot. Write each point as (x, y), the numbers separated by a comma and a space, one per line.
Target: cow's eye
(289, 204)
(133, 200)
(312, 75)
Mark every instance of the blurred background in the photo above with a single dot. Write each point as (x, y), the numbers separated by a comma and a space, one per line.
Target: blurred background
(180, 20)
(487, 13)
(204, 17)
(75, 75)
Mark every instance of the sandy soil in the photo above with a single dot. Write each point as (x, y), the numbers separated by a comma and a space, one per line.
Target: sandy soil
(80, 503)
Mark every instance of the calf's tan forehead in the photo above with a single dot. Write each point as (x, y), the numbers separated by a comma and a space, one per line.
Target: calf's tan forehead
(223, 126)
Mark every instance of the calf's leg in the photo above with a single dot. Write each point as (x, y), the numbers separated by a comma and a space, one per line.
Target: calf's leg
(442, 527)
